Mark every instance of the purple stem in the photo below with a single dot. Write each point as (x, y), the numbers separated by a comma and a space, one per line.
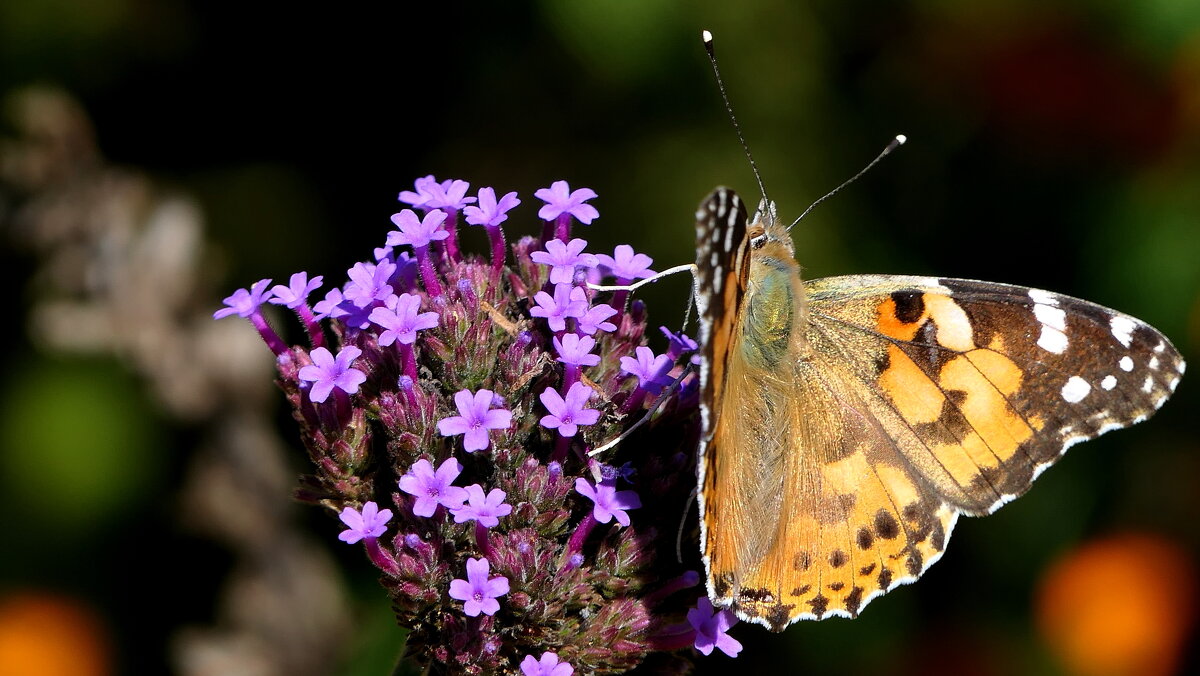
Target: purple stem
(560, 449)
(428, 275)
(315, 334)
(409, 357)
(482, 541)
(268, 334)
(689, 579)
(496, 237)
(673, 637)
(635, 400)
(575, 544)
(451, 242)
(562, 227)
(570, 376)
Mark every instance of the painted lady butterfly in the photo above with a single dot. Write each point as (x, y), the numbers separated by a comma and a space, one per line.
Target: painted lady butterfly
(848, 422)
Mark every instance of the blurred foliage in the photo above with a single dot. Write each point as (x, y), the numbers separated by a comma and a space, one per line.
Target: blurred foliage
(1055, 146)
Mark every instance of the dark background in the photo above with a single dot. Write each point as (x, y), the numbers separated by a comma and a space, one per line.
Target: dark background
(1057, 148)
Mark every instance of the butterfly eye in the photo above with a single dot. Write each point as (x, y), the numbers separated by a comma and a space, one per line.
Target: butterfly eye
(758, 242)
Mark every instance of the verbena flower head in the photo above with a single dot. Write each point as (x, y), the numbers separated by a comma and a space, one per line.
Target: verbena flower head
(463, 391)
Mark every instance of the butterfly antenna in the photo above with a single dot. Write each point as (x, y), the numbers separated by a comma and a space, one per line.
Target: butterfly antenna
(712, 58)
(896, 143)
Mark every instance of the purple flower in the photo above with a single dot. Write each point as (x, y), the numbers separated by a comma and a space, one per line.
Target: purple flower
(626, 265)
(432, 488)
(245, 303)
(401, 319)
(547, 666)
(417, 232)
(474, 419)
(448, 195)
(559, 200)
(491, 213)
(326, 372)
(479, 592)
(484, 509)
(370, 523)
(649, 369)
(710, 625)
(576, 350)
(568, 301)
(296, 292)
(563, 258)
(566, 415)
(419, 198)
(610, 503)
(331, 306)
(679, 343)
(369, 282)
(594, 320)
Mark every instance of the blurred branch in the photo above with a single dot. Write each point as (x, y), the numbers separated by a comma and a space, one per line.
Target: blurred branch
(121, 269)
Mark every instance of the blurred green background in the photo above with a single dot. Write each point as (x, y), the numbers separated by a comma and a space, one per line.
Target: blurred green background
(1054, 145)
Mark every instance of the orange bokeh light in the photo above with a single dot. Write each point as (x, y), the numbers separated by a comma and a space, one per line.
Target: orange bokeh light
(48, 635)
(1119, 606)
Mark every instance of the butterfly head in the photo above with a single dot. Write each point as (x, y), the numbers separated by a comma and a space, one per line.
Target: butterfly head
(765, 233)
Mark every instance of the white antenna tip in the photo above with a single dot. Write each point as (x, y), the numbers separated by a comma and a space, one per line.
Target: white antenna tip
(901, 138)
(706, 36)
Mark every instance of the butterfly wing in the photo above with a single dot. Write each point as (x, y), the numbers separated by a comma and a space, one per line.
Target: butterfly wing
(930, 398)
(996, 381)
(915, 400)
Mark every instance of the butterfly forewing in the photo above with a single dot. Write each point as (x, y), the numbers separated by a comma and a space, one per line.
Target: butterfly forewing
(995, 381)
(844, 434)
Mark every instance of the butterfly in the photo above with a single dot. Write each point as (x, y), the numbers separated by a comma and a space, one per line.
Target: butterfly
(848, 422)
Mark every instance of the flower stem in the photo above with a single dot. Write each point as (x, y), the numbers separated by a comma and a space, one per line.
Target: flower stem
(428, 274)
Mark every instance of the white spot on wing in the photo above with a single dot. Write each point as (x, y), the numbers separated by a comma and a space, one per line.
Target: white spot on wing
(1051, 316)
(1122, 329)
(1043, 297)
(1153, 363)
(1052, 340)
(1149, 384)
(1054, 323)
(1126, 363)
(1108, 383)
(1075, 390)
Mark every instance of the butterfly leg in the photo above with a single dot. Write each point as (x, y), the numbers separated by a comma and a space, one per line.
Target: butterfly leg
(662, 398)
(687, 267)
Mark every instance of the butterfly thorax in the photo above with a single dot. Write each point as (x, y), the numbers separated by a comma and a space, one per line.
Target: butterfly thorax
(773, 313)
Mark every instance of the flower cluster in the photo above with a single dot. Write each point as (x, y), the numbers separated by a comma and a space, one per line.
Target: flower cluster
(466, 392)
